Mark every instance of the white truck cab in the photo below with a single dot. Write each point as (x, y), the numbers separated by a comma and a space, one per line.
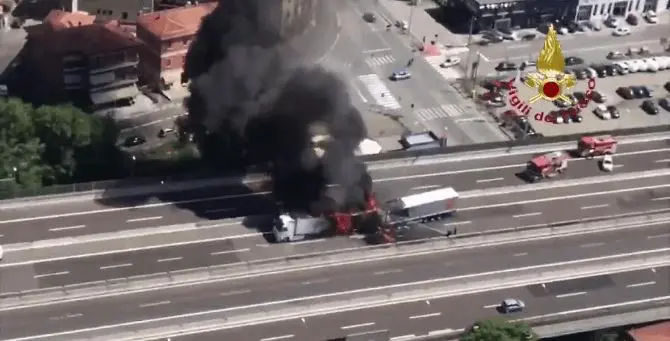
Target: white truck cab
(0, 252)
(607, 163)
(288, 227)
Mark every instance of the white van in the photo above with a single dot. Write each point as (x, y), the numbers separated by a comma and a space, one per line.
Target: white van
(621, 67)
(652, 66)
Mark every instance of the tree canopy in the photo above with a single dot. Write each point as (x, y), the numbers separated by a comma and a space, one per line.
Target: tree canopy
(499, 330)
(53, 145)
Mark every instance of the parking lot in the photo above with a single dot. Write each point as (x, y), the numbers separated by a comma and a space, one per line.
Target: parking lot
(632, 115)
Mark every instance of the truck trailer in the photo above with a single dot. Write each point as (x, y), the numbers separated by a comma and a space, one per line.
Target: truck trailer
(423, 207)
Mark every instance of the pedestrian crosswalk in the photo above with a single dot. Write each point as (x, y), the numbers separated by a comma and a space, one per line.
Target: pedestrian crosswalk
(379, 60)
(335, 63)
(379, 91)
(454, 72)
(447, 110)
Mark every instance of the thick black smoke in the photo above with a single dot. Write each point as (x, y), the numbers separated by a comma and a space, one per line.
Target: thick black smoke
(251, 104)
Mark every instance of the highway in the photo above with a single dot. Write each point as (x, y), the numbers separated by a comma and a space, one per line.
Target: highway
(252, 291)
(475, 214)
(458, 312)
(73, 219)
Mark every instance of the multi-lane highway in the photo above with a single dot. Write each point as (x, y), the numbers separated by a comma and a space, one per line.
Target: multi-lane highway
(496, 211)
(265, 289)
(64, 220)
(453, 313)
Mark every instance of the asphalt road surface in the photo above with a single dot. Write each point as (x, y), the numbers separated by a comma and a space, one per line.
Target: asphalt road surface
(125, 308)
(458, 312)
(73, 219)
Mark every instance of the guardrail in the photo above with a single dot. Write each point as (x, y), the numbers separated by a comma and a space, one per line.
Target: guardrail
(111, 185)
(324, 259)
(174, 326)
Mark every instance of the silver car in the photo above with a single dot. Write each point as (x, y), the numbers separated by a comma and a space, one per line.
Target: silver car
(512, 305)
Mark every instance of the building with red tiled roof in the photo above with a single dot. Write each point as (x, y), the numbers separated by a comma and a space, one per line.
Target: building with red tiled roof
(655, 332)
(167, 36)
(78, 58)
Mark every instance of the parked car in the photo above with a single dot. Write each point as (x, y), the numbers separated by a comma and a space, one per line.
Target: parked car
(512, 305)
(529, 36)
(620, 68)
(165, 131)
(641, 91)
(369, 17)
(581, 73)
(649, 107)
(612, 22)
(665, 103)
(625, 92)
(598, 96)
(570, 61)
(667, 86)
(594, 25)
(607, 163)
(601, 112)
(600, 71)
(450, 61)
(506, 66)
(650, 17)
(616, 55)
(526, 64)
(632, 19)
(135, 140)
(614, 112)
(621, 32)
(610, 70)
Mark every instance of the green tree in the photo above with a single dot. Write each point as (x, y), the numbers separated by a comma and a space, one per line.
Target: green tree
(499, 330)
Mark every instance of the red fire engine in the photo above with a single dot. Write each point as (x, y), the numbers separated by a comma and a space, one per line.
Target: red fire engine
(590, 146)
(546, 166)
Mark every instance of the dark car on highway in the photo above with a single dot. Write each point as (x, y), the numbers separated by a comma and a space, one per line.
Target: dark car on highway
(369, 17)
(625, 92)
(133, 141)
(506, 66)
(614, 112)
(649, 107)
(569, 61)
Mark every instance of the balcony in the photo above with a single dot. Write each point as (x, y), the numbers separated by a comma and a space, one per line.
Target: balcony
(111, 67)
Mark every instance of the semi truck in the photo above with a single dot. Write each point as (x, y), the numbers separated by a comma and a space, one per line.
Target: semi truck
(421, 207)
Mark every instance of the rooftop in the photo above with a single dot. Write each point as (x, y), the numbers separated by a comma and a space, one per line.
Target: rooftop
(654, 332)
(175, 22)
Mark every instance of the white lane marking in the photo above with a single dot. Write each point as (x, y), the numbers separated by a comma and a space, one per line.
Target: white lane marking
(154, 304)
(66, 228)
(440, 331)
(492, 306)
(526, 215)
(425, 187)
(220, 210)
(643, 284)
(489, 180)
(662, 161)
(2, 235)
(281, 337)
(52, 274)
(662, 235)
(312, 241)
(229, 252)
(377, 50)
(572, 294)
(125, 265)
(618, 165)
(591, 245)
(144, 219)
(594, 206)
(521, 254)
(414, 317)
(173, 259)
(64, 317)
(403, 337)
(431, 175)
(574, 196)
(386, 272)
(660, 199)
(316, 281)
(359, 92)
(367, 324)
(458, 223)
(128, 208)
(357, 236)
(235, 292)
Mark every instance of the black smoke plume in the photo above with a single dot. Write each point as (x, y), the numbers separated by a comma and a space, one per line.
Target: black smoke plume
(253, 104)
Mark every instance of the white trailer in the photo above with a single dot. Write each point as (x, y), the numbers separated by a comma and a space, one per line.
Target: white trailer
(290, 227)
(424, 206)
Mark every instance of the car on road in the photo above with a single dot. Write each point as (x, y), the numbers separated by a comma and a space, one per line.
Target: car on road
(616, 55)
(526, 64)
(369, 17)
(621, 32)
(614, 112)
(607, 163)
(649, 107)
(134, 140)
(650, 17)
(598, 96)
(401, 75)
(571, 61)
(165, 131)
(664, 103)
(625, 92)
(506, 66)
(512, 305)
(450, 61)
(601, 112)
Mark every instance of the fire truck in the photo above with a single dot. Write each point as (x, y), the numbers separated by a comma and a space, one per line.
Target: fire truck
(546, 166)
(590, 146)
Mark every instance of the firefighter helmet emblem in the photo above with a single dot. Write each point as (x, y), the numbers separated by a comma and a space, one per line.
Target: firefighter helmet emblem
(550, 80)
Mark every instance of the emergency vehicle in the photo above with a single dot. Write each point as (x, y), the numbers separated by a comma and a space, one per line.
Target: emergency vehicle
(590, 146)
(546, 166)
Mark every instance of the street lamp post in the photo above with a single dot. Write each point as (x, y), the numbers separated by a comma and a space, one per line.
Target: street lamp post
(411, 15)
(468, 86)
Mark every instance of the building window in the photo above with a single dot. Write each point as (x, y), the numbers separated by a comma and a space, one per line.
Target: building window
(609, 8)
(602, 9)
(630, 6)
(584, 13)
(650, 5)
(595, 10)
(124, 15)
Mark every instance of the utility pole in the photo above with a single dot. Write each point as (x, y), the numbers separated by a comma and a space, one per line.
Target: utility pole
(468, 86)
(409, 24)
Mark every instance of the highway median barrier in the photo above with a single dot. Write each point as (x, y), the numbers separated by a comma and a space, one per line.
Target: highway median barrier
(301, 262)
(304, 307)
(149, 186)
